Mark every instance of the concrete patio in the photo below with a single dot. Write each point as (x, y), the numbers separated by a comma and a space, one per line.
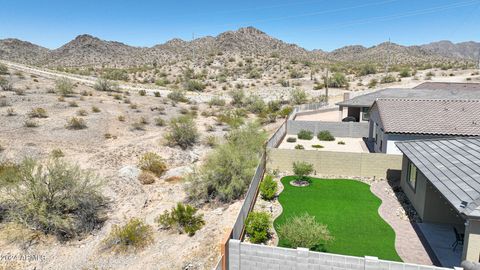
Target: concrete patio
(440, 238)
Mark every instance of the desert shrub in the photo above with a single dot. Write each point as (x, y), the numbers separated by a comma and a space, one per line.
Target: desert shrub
(6, 84)
(82, 112)
(211, 141)
(153, 163)
(38, 113)
(177, 96)
(302, 170)
(135, 234)
(11, 112)
(228, 169)
(30, 123)
(233, 118)
(106, 85)
(305, 135)
(146, 178)
(238, 97)
(367, 69)
(317, 146)
(115, 74)
(57, 153)
(183, 218)
(405, 72)
(298, 96)
(372, 83)
(162, 82)
(257, 227)
(159, 122)
(291, 139)
(388, 79)
(121, 118)
(299, 147)
(285, 111)
(142, 92)
(9, 173)
(19, 92)
(95, 109)
(325, 135)
(194, 85)
(304, 231)
(341, 142)
(295, 74)
(64, 87)
(268, 188)
(255, 104)
(3, 69)
(76, 123)
(337, 80)
(182, 132)
(216, 101)
(157, 94)
(55, 198)
(73, 104)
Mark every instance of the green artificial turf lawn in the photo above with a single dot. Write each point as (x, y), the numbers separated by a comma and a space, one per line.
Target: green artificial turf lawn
(350, 211)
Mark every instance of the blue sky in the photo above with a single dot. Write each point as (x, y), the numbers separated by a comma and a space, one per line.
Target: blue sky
(313, 24)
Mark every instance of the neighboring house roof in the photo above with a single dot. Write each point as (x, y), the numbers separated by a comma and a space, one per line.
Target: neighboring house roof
(452, 166)
(449, 86)
(429, 116)
(416, 93)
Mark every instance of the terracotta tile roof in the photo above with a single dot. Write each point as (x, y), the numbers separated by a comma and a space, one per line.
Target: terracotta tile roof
(429, 116)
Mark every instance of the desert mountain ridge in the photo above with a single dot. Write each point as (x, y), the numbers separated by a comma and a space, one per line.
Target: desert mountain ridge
(86, 50)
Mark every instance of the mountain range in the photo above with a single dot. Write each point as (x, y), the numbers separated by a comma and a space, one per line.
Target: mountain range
(89, 51)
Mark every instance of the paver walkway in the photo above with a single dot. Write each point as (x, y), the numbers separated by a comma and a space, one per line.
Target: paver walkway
(407, 243)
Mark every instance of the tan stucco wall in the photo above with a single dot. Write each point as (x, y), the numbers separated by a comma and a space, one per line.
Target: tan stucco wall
(336, 163)
(471, 246)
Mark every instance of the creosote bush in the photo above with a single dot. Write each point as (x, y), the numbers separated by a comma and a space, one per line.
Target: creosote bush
(257, 227)
(183, 218)
(304, 231)
(229, 168)
(146, 177)
(135, 234)
(153, 163)
(38, 113)
(268, 188)
(182, 132)
(177, 96)
(54, 197)
(64, 87)
(106, 85)
(298, 96)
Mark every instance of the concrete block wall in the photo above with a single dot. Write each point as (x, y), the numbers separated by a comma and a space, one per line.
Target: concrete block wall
(337, 129)
(337, 163)
(246, 256)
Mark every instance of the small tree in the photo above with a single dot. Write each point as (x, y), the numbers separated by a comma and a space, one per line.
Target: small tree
(302, 170)
(183, 217)
(337, 80)
(304, 231)
(268, 188)
(64, 87)
(298, 96)
(182, 132)
(257, 227)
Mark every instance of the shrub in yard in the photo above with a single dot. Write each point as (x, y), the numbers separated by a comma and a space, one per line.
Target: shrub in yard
(38, 113)
(182, 132)
(268, 188)
(302, 170)
(64, 87)
(55, 197)
(76, 123)
(257, 227)
(146, 178)
(305, 135)
(106, 85)
(291, 139)
(153, 163)
(229, 168)
(304, 231)
(135, 234)
(325, 135)
(317, 146)
(299, 147)
(341, 142)
(183, 218)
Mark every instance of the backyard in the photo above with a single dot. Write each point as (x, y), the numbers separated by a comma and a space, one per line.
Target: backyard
(350, 211)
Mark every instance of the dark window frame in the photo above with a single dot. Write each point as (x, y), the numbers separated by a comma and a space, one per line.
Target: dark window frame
(409, 175)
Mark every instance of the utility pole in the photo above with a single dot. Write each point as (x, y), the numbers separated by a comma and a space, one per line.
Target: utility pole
(387, 65)
(478, 59)
(193, 50)
(326, 87)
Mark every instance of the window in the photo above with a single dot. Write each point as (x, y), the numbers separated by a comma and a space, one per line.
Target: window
(412, 175)
(381, 146)
(365, 114)
(376, 133)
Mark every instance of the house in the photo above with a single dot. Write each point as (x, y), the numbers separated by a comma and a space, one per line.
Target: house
(358, 107)
(393, 120)
(441, 179)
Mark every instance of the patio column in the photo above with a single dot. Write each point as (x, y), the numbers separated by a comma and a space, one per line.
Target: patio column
(471, 245)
